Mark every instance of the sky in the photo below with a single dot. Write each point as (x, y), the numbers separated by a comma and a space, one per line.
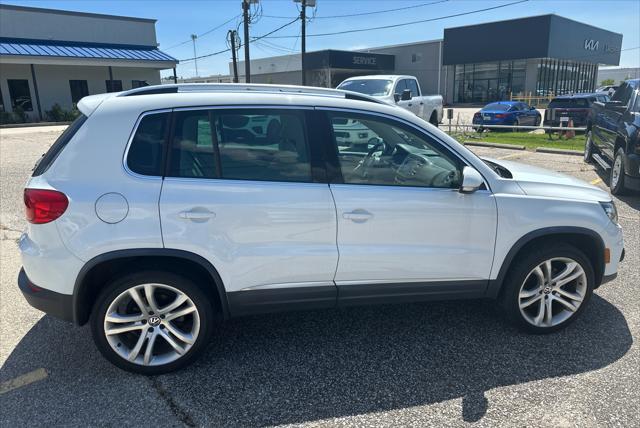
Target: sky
(178, 19)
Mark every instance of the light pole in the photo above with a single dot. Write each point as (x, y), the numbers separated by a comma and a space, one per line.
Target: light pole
(195, 56)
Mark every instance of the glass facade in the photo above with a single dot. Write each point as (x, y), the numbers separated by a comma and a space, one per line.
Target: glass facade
(500, 80)
(559, 77)
(488, 81)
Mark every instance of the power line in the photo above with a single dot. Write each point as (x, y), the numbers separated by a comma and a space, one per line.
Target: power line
(203, 34)
(359, 30)
(251, 41)
(364, 13)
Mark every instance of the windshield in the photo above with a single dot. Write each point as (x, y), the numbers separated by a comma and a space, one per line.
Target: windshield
(497, 107)
(372, 87)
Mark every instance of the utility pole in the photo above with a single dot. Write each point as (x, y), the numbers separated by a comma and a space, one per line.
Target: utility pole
(245, 17)
(193, 39)
(303, 34)
(303, 43)
(232, 40)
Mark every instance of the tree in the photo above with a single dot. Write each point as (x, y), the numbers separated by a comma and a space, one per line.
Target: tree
(607, 82)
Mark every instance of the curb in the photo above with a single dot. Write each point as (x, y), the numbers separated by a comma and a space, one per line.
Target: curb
(496, 145)
(32, 124)
(559, 151)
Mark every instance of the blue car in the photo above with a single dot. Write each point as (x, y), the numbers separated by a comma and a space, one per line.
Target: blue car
(514, 113)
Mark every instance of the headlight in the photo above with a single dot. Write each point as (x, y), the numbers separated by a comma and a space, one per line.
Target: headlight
(611, 211)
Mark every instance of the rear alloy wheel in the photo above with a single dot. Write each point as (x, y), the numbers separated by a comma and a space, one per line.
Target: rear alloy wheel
(151, 322)
(588, 148)
(517, 125)
(547, 290)
(616, 181)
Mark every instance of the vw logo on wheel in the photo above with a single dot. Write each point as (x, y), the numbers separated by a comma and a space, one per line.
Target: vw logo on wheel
(154, 320)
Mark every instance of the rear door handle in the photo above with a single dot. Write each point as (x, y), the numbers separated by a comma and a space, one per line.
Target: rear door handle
(357, 216)
(196, 214)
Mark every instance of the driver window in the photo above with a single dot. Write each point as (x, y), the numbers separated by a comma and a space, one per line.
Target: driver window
(377, 151)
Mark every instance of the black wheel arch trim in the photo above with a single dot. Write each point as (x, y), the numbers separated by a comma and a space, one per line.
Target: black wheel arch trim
(146, 252)
(495, 285)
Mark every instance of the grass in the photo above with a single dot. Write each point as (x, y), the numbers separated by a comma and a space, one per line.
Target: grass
(530, 141)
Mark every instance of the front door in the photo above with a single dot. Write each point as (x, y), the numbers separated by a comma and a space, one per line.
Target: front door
(239, 192)
(403, 226)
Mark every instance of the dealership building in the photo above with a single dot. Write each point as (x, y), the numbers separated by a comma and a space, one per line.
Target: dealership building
(534, 56)
(52, 57)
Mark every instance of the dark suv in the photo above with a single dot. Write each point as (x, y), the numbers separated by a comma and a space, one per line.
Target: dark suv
(613, 137)
(571, 107)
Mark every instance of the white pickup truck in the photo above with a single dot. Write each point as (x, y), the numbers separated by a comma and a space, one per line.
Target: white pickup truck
(401, 90)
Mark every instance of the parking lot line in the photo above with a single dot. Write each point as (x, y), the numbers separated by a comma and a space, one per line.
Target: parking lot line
(23, 380)
(596, 181)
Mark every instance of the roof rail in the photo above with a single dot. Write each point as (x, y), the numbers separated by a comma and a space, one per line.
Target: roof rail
(242, 87)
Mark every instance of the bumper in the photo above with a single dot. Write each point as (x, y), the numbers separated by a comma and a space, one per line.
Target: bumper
(56, 304)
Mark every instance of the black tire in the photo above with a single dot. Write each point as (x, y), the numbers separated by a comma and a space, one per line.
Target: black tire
(537, 121)
(588, 148)
(519, 271)
(116, 287)
(434, 119)
(617, 186)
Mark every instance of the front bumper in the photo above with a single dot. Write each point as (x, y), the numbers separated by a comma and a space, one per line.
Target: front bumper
(56, 304)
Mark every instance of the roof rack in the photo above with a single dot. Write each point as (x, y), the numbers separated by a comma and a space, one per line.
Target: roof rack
(242, 87)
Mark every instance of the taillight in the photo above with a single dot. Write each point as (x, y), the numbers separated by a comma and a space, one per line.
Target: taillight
(500, 116)
(42, 206)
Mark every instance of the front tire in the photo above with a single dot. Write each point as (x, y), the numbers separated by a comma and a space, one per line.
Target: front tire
(616, 178)
(434, 119)
(546, 290)
(588, 148)
(151, 322)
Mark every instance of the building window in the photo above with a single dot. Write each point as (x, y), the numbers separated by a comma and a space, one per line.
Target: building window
(79, 90)
(20, 94)
(114, 85)
(138, 84)
(416, 57)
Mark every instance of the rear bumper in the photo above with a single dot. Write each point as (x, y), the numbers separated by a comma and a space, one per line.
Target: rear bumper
(55, 304)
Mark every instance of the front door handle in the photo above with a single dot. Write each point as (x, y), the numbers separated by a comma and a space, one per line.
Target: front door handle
(357, 216)
(197, 214)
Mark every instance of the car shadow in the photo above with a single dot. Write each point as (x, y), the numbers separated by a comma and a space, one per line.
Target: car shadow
(631, 199)
(306, 366)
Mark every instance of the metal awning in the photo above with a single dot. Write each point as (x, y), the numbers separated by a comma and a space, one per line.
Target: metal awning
(79, 50)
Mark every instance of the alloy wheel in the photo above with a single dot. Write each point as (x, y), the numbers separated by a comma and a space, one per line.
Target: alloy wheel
(552, 292)
(151, 324)
(587, 148)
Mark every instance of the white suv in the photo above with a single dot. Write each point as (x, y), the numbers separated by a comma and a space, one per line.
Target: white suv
(163, 210)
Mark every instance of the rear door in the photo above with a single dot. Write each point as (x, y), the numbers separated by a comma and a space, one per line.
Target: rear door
(403, 227)
(247, 199)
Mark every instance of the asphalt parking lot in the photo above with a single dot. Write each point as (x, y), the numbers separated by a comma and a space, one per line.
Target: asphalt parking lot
(435, 364)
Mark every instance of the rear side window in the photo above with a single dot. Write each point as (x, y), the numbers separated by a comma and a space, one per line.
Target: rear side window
(145, 155)
(241, 144)
(48, 158)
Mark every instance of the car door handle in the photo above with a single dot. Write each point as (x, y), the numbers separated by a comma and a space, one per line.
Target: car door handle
(357, 216)
(421, 103)
(197, 214)
(410, 104)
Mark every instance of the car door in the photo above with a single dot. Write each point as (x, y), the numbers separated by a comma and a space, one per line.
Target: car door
(249, 203)
(416, 98)
(608, 121)
(411, 104)
(404, 229)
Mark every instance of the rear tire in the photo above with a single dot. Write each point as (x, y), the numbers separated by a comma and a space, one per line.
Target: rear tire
(158, 337)
(616, 177)
(534, 296)
(434, 119)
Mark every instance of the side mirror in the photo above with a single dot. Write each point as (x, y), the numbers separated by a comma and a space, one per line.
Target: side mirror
(532, 108)
(471, 180)
(406, 95)
(396, 97)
